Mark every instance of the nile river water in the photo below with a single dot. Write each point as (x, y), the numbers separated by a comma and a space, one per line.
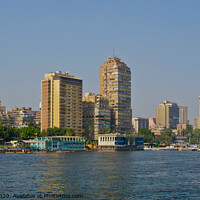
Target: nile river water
(102, 175)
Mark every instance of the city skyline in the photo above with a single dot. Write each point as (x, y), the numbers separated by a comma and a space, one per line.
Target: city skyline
(161, 49)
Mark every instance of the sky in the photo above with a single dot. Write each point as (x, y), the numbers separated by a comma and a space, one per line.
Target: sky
(158, 40)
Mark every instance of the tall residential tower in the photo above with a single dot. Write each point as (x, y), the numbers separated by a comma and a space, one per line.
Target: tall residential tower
(61, 102)
(167, 115)
(197, 119)
(115, 84)
(183, 115)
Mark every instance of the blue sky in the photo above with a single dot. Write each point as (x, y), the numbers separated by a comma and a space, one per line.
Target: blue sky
(158, 40)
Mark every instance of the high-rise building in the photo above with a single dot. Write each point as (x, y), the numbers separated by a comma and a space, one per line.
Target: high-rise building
(196, 123)
(199, 106)
(115, 84)
(183, 115)
(4, 118)
(102, 113)
(197, 119)
(96, 115)
(88, 105)
(61, 102)
(167, 115)
(139, 122)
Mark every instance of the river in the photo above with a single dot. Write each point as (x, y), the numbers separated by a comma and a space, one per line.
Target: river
(101, 175)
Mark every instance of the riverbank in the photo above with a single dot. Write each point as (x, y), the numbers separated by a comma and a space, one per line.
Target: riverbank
(22, 151)
(171, 148)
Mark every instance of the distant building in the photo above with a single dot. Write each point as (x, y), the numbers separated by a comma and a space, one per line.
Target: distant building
(115, 84)
(199, 106)
(88, 105)
(96, 115)
(196, 123)
(197, 119)
(157, 131)
(179, 140)
(120, 142)
(139, 122)
(102, 119)
(61, 102)
(183, 115)
(167, 115)
(181, 128)
(22, 116)
(4, 118)
(152, 123)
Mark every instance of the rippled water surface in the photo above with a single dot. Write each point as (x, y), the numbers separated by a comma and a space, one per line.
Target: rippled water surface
(104, 175)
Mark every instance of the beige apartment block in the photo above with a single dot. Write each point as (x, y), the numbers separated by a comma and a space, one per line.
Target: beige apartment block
(139, 122)
(181, 128)
(4, 118)
(115, 84)
(183, 115)
(23, 116)
(61, 102)
(96, 115)
(197, 119)
(196, 123)
(152, 123)
(167, 115)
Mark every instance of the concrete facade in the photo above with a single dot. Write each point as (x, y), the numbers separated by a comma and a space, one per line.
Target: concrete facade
(183, 115)
(4, 118)
(196, 123)
(152, 123)
(139, 122)
(96, 115)
(167, 115)
(22, 116)
(61, 102)
(115, 84)
(197, 119)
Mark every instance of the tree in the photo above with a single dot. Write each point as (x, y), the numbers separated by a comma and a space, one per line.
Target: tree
(188, 131)
(195, 137)
(167, 136)
(108, 131)
(85, 138)
(70, 132)
(90, 129)
(33, 124)
(9, 133)
(148, 135)
(28, 132)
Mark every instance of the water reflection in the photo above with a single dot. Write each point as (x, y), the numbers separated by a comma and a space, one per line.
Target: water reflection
(100, 175)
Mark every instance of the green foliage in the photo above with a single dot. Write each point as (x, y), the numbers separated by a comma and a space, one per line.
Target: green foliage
(9, 133)
(167, 136)
(108, 131)
(131, 141)
(188, 131)
(85, 138)
(91, 132)
(59, 132)
(194, 137)
(28, 132)
(33, 124)
(148, 135)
